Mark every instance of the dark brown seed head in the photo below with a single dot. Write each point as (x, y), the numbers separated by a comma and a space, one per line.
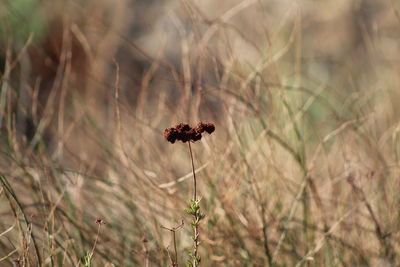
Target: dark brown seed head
(205, 127)
(195, 135)
(183, 132)
(210, 128)
(100, 221)
(183, 127)
(171, 135)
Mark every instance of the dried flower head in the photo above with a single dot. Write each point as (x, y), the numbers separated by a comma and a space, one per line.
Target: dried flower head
(171, 135)
(183, 132)
(100, 221)
(205, 127)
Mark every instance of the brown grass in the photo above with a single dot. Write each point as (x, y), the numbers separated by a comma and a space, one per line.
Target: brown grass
(303, 169)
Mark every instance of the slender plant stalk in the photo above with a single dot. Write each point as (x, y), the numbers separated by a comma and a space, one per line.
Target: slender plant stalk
(89, 256)
(174, 263)
(175, 249)
(194, 174)
(183, 132)
(96, 240)
(196, 215)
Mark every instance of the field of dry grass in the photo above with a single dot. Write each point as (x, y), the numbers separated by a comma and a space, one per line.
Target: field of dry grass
(302, 169)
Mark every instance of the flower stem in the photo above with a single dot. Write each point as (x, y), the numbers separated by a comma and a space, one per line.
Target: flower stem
(196, 215)
(194, 174)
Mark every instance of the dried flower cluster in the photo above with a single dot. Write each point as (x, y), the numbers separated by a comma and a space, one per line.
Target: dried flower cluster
(183, 132)
(100, 221)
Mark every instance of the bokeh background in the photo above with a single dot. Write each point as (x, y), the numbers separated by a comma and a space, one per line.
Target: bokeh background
(302, 170)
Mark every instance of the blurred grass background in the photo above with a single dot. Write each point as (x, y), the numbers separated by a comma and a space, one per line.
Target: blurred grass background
(304, 163)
